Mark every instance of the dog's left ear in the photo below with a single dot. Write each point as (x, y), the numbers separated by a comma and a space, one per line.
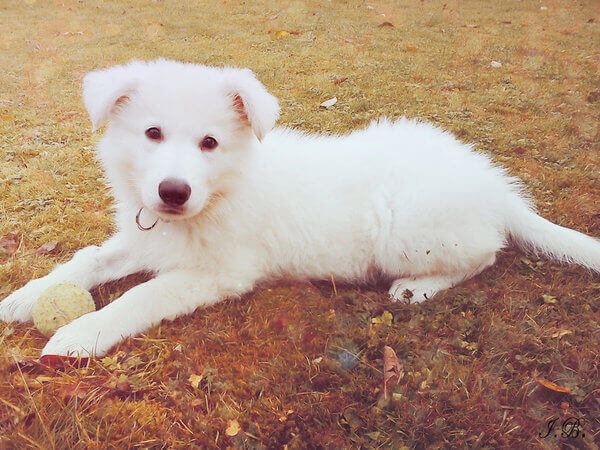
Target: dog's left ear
(251, 100)
(105, 91)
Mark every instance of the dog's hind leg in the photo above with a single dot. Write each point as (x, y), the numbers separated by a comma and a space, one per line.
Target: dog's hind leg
(415, 289)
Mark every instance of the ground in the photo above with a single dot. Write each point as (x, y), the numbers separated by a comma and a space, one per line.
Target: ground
(300, 363)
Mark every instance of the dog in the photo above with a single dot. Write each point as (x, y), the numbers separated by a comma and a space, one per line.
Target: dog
(213, 200)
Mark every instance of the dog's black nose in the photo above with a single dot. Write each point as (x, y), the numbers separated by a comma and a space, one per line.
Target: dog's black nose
(174, 192)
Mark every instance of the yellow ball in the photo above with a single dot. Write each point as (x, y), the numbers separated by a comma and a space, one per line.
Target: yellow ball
(59, 305)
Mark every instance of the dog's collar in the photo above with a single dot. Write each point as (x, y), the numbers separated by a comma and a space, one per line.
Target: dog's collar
(140, 226)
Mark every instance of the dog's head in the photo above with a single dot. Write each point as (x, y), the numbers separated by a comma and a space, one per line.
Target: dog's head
(178, 133)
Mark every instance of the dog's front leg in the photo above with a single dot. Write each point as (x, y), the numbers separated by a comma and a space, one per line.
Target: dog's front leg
(167, 296)
(89, 267)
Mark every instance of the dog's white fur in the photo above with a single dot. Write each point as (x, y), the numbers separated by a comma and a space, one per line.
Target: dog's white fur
(403, 198)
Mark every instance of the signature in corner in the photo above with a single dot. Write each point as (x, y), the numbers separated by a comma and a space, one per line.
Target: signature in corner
(570, 428)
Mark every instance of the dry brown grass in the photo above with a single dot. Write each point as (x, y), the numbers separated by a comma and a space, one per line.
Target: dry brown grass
(470, 356)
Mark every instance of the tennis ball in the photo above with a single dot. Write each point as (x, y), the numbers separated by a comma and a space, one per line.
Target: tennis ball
(59, 305)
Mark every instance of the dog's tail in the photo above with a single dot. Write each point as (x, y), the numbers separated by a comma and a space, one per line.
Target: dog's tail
(540, 236)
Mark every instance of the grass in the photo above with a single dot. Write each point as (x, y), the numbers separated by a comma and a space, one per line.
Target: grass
(299, 363)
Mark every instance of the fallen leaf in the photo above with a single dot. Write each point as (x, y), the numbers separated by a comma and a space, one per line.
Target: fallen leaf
(352, 419)
(374, 435)
(10, 243)
(282, 33)
(385, 319)
(593, 96)
(391, 368)
(410, 48)
(233, 428)
(284, 417)
(195, 380)
(552, 386)
(49, 248)
(329, 103)
(386, 24)
(132, 362)
(340, 80)
(496, 64)
(122, 384)
(561, 333)
(549, 299)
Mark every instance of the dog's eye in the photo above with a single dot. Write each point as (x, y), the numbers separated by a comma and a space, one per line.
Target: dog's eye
(154, 134)
(208, 143)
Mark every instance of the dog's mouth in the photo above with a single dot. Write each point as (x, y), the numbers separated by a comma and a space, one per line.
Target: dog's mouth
(170, 211)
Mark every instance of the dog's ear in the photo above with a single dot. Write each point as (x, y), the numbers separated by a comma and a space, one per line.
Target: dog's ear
(105, 91)
(251, 101)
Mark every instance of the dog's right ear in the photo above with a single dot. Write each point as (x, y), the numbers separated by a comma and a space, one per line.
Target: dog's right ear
(105, 91)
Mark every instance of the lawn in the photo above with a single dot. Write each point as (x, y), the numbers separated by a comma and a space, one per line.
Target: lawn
(487, 364)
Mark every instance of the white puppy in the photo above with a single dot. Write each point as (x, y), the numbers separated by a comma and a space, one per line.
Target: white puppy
(227, 205)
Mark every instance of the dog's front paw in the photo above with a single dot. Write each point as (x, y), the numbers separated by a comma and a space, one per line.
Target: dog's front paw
(17, 307)
(89, 335)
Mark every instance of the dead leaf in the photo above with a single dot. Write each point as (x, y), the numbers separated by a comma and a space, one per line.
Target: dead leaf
(386, 24)
(496, 64)
(561, 333)
(549, 299)
(10, 243)
(284, 417)
(339, 80)
(195, 380)
(410, 48)
(386, 318)
(233, 428)
(391, 368)
(282, 33)
(552, 386)
(122, 384)
(49, 248)
(329, 103)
